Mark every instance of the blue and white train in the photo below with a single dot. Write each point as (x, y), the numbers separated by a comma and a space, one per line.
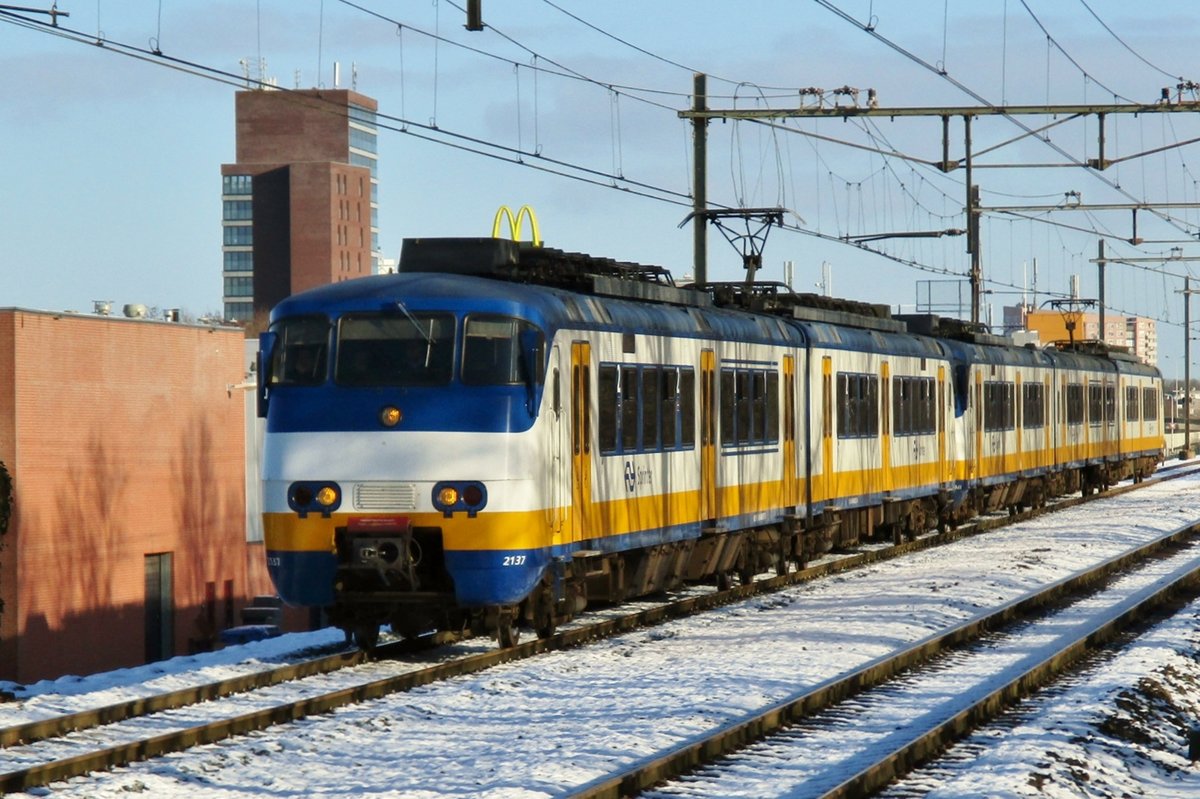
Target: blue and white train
(501, 433)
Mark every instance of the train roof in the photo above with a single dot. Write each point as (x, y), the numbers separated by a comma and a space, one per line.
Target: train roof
(549, 307)
(557, 289)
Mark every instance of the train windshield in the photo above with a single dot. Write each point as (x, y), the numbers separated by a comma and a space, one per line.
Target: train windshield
(409, 349)
(301, 351)
(493, 352)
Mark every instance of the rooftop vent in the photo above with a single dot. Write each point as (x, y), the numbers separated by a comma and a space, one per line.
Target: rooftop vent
(135, 311)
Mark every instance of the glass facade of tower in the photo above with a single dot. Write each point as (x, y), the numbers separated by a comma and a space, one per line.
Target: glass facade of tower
(237, 248)
(364, 146)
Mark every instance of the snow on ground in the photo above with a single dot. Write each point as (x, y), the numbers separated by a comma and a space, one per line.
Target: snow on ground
(540, 727)
(71, 693)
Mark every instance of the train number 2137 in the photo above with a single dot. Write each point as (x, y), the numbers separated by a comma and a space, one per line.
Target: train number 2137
(514, 560)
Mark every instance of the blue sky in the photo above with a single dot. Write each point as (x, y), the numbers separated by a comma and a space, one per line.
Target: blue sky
(111, 168)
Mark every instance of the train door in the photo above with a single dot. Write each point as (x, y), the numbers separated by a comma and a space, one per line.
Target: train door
(1047, 458)
(581, 442)
(976, 468)
(1019, 419)
(557, 499)
(826, 427)
(789, 431)
(943, 464)
(885, 427)
(708, 435)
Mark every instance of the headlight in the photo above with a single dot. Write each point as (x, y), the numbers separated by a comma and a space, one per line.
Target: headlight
(390, 416)
(457, 497)
(314, 497)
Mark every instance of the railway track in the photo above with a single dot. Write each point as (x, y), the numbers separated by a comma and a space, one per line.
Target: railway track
(883, 720)
(60, 757)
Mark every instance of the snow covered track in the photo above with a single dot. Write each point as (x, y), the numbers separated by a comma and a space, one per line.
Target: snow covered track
(42, 729)
(862, 716)
(350, 686)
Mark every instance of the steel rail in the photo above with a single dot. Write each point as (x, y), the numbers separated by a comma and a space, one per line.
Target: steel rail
(43, 774)
(773, 719)
(56, 726)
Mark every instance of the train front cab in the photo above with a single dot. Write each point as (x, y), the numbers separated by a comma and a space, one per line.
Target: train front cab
(438, 460)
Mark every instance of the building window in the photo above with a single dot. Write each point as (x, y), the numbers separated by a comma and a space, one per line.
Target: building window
(239, 311)
(237, 210)
(364, 115)
(239, 261)
(239, 235)
(237, 184)
(362, 140)
(369, 162)
(239, 286)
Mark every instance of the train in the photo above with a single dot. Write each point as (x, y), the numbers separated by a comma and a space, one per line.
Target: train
(501, 433)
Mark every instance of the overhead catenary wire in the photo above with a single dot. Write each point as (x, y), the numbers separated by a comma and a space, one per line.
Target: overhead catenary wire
(433, 134)
(1126, 45)
(871, 30)
(384, 120)
(521, 155)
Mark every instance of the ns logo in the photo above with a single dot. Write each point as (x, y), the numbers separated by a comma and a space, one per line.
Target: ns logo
(635, 477)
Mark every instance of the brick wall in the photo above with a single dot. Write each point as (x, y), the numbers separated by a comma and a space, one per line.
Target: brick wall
(129, 443)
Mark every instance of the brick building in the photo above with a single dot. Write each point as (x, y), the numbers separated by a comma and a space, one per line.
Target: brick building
(125, 440)
(1137, 334)
(299, 206)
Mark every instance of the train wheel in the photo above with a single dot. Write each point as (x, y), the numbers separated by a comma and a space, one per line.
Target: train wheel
(544, 621)
(507, 633)
(546, 627)
(366, 636)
